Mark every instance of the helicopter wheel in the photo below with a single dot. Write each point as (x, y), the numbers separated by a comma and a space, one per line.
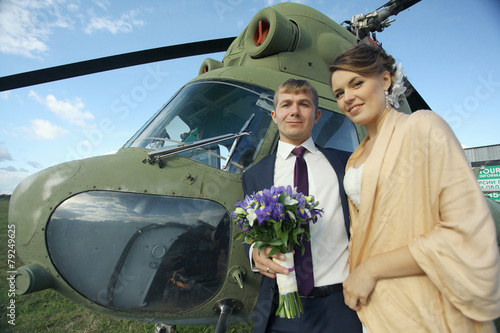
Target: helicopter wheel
(165, 328)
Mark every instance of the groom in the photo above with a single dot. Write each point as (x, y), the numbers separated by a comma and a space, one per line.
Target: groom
(295, 113)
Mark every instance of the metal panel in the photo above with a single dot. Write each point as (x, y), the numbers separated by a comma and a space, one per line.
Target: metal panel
(480, 154)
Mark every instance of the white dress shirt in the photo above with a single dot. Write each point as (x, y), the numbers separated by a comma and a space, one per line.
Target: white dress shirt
(328, 235)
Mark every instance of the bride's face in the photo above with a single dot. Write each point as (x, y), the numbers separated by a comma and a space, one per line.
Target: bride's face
(360, 97)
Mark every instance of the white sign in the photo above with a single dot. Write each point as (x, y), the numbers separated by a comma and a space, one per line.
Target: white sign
(489, 179)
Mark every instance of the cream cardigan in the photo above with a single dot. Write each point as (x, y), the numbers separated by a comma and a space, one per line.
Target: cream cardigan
(419, 191)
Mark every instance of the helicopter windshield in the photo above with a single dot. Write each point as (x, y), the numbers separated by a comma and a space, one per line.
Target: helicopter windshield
(207, 109)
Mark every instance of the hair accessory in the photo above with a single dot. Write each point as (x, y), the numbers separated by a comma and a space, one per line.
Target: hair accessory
(398, 87)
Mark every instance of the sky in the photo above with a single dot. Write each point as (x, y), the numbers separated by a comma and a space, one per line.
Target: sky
(450, 51)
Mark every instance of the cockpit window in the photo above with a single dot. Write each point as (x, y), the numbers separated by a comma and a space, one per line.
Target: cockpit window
(137, 252)
(334, 130)
(208, 109)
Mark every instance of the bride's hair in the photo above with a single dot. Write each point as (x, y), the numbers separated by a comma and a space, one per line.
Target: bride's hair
(365, 59)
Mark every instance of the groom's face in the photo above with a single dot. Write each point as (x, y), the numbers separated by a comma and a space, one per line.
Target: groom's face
(295, 116)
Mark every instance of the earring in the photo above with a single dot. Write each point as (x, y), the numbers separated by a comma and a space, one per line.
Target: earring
(386, 92)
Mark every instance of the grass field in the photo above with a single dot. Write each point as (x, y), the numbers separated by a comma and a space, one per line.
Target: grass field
(47, 311)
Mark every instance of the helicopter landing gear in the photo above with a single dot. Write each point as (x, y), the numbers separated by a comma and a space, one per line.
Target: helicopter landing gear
(165, 328)
(225, 308)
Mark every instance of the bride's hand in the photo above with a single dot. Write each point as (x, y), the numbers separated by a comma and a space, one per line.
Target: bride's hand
(358, 286)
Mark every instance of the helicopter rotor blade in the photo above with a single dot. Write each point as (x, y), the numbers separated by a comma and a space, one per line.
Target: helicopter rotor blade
(398, 6)
(113, 62)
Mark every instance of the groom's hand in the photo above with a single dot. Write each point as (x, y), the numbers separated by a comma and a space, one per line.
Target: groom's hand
(267, 266)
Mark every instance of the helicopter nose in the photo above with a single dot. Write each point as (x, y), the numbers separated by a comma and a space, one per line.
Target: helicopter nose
(32, 195)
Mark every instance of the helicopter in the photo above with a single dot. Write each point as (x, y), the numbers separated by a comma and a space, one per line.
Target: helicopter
(145, 234)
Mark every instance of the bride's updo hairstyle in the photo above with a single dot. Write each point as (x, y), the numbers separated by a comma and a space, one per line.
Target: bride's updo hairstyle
(365, 59)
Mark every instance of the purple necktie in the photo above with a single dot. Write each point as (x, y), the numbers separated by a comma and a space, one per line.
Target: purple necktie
(303, 263)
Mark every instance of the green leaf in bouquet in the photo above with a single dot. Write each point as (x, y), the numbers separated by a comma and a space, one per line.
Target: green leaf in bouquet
(276, 242)
(248, 239)
(259, 245)
(238, 236)
(274, 250)
(277, 228)
(284, 238)
(295, 235)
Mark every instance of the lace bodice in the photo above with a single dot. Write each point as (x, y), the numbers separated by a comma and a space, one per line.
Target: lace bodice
(352, 185)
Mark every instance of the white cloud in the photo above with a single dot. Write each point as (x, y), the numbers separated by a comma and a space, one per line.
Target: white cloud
(9, 180)
(45, 130)
(25, 26)
(125, 23)
(10, 168)
(4, 95)
(35, 165)
(4, 154)
(104, 4)
(70, 111)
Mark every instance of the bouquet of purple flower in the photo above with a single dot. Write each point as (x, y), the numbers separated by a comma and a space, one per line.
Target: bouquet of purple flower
(276, 218)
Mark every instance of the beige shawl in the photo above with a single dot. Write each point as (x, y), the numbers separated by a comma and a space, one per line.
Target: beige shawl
(419, 191)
